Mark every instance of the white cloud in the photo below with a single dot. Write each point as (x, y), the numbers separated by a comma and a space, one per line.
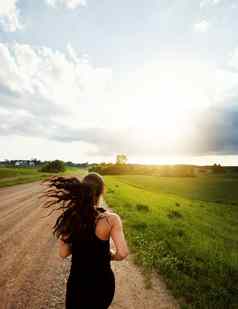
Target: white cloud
(75, 151)
(202, 26)
(51, 94)
(70, 4)
(233, 59)
(9, 15)
(49, 75)
(205, 3)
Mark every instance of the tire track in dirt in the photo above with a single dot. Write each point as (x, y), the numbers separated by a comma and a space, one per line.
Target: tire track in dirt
(10, 202)
(20, 246)
(16, 225)
(33, 276)
(14, 192)
(12, 218)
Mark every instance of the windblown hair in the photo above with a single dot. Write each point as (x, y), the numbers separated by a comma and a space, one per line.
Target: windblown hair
(76, 199)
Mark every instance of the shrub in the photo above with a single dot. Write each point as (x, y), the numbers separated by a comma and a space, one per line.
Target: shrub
(142, 207)
(55, 166)
(173, 214)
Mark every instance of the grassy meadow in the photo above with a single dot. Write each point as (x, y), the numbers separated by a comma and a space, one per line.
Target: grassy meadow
(186, 229)
(12, 176)
(212, 188)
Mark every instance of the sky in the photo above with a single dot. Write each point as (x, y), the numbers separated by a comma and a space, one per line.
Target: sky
(85, 80)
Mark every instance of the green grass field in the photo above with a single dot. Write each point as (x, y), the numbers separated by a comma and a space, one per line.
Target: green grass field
(187, 230)
(14, 176)
(213, 188)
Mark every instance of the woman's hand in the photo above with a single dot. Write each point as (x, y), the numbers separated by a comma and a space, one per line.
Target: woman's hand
(113, 253)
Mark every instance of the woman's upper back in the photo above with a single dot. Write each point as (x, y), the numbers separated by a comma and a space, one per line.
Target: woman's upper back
(93, 252)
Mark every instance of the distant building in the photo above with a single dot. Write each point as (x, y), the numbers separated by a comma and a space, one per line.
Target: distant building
(20, 163)
(24, 163)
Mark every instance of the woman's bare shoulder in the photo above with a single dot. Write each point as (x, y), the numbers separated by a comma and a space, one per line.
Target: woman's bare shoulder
(108, 213)
(112, 216)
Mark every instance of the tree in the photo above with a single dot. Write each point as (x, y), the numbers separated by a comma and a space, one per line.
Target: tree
(55, 166)
(121, 159)
(217, 169)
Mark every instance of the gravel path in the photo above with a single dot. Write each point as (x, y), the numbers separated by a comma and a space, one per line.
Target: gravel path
(33, 276)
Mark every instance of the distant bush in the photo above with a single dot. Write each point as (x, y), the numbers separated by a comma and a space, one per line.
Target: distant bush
(55, 166)
(173, 214)
(142, 207)
(218, 169)
(128, 205)
(139, 226)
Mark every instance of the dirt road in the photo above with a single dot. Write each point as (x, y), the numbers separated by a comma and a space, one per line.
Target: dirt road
(33, 276)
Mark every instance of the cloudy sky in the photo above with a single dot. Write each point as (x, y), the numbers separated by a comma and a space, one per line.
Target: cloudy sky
(83, 80)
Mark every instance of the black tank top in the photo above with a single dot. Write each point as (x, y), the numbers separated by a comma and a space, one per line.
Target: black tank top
(91, 256)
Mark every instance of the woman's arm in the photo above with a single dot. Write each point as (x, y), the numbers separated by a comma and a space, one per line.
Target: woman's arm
(118, 239)
(64, 248)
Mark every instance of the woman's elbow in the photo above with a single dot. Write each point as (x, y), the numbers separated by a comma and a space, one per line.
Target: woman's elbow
(64, 249)
(64, 254)
(123, 255)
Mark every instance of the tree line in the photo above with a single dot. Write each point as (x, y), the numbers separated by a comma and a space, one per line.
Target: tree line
(140, 169)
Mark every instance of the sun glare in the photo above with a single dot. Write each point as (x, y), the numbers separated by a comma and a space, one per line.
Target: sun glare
(163, 100)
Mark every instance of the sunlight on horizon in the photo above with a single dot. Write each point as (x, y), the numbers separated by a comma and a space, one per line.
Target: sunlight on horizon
(228, 160)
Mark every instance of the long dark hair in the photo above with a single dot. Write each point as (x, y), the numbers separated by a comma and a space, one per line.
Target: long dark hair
(76, 199)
